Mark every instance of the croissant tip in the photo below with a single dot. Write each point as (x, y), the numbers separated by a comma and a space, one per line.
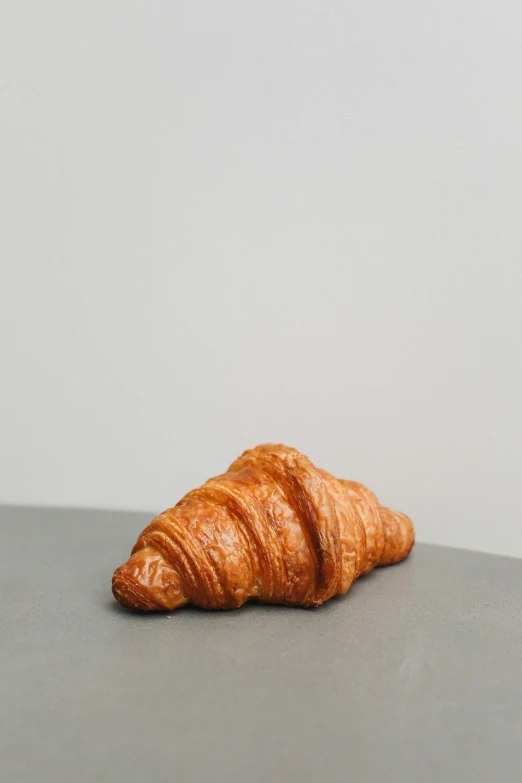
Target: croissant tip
(147, 581)
(128, 593)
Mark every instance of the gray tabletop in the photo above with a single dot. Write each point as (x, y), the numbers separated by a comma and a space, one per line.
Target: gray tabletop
(416, 675)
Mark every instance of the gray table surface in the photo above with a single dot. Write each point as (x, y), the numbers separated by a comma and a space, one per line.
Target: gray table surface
(416, 675)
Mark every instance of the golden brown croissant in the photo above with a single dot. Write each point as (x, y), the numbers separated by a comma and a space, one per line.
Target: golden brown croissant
(273, 528)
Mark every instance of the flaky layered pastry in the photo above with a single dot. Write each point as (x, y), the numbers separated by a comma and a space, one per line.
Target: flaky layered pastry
(272, 528)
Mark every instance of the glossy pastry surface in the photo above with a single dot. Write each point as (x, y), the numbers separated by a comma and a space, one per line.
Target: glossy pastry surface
(273, 528)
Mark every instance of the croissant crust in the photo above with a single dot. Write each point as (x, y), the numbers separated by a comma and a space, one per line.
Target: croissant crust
(272, 528)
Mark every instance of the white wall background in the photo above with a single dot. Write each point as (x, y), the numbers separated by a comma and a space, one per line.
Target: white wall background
(231, 222)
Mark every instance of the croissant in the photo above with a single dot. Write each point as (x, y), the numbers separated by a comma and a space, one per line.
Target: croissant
(272, 528)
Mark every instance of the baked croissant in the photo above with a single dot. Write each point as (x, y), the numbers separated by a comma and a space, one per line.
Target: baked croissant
(272, 528)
